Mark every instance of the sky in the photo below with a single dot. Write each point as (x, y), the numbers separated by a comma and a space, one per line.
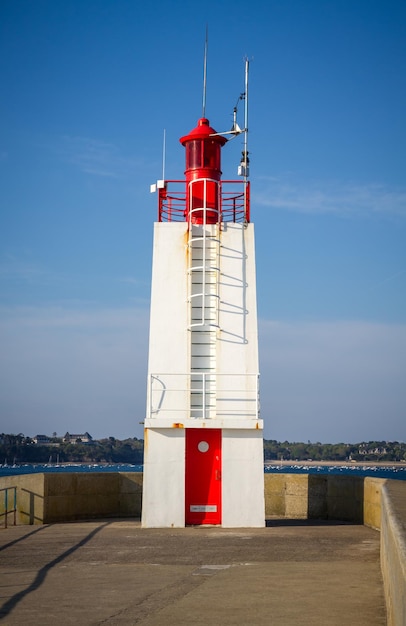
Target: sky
(87, 89)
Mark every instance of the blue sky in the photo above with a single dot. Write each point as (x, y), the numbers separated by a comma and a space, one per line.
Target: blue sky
(88, 86)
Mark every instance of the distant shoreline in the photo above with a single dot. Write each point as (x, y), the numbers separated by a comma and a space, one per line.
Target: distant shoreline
(337, 463)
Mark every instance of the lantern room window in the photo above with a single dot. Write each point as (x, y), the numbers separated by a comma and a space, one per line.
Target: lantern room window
(202, 153)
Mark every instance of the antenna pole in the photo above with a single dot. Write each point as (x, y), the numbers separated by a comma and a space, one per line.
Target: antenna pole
(205, 73)
(247, 63)
(164, 155)
(246, 107)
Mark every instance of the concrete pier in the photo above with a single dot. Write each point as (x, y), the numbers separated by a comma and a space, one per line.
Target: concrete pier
(117, 573)
(321, 541)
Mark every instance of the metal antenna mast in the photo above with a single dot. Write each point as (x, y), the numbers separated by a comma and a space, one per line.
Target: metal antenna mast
(247, 63)
(164, 155)
(205, 73)
(245, 153)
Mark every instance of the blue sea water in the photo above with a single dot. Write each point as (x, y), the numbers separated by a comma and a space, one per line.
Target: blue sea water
(397, 472)
(38, 468)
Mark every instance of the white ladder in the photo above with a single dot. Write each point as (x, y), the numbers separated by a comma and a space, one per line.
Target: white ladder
(203, 270)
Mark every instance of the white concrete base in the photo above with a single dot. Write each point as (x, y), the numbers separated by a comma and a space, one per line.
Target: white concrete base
(243, 503)
(163, 499)
(243, 479)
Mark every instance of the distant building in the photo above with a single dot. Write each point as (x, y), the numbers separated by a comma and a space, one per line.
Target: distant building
(44, 440)
(78, 438)
(41, 439)
(376, 451)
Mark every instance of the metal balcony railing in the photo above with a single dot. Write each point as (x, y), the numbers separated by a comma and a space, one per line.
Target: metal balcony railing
(203, 395)
(234, 201)
(5, 508)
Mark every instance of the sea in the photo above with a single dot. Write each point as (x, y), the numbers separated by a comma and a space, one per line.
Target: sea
(395, 471)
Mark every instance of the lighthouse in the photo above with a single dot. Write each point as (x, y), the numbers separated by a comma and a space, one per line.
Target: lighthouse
(203, 450)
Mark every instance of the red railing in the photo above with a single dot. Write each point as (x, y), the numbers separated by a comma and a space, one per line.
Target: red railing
(234, 201)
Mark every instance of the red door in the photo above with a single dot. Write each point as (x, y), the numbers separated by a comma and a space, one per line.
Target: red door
(203, 476)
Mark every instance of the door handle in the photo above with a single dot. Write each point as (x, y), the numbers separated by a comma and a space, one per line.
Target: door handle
(218, 475)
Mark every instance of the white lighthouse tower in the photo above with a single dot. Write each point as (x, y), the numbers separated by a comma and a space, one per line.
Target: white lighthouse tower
(203, 458)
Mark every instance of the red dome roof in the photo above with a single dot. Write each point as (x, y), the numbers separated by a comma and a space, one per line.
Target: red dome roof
(203, 130)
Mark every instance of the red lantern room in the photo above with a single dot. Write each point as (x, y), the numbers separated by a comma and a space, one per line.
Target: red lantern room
(203, 173)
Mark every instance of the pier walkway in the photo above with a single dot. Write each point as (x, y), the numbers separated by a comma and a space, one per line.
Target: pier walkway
(116, 573)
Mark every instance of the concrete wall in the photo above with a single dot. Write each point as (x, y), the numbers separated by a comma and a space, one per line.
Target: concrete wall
(30, 498)
(60, 497)
(308, 496)
(393, 550)
(44, 498)
(372, 502)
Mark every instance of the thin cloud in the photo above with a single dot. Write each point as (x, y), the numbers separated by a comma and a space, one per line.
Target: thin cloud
(386, 280)
(131, 280)
(333, 381)
(98, 158)
(13, 269)
(84, 320)
(331, 198)
(72, 368)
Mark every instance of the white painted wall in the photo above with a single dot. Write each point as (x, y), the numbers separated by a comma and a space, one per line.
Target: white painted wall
(169, 351)
(238, 310)
(243, 479)
(169, 357)
(237, 345)
(164, 455)
(163, 500)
